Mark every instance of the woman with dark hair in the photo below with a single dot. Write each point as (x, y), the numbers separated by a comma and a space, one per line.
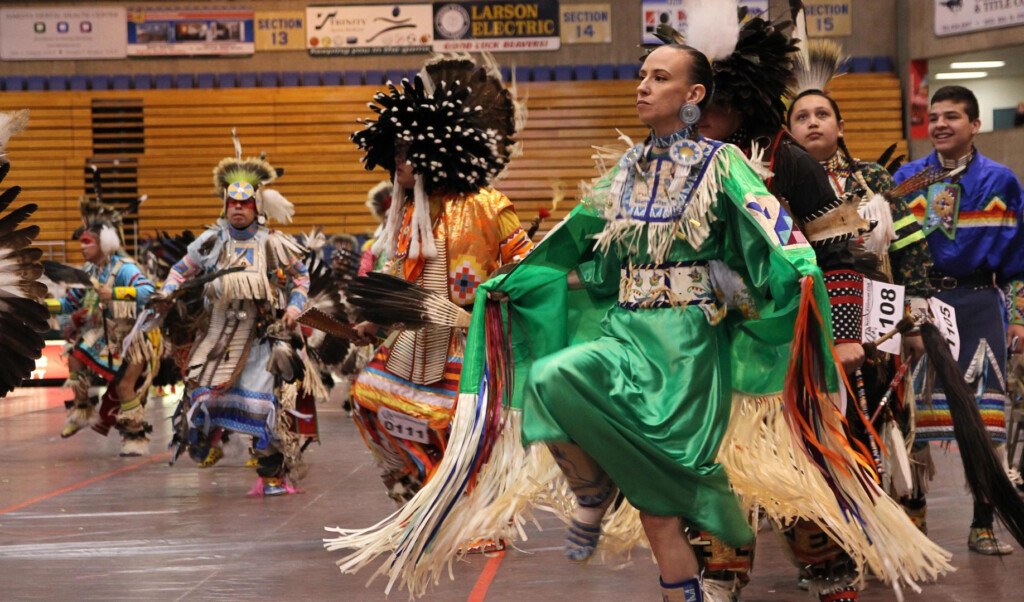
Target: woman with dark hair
(644, 406)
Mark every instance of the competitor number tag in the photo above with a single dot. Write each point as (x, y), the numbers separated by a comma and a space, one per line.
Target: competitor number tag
(883, 308)
(944, 317)
(404, 427)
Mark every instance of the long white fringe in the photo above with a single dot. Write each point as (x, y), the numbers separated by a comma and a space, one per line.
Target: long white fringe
(496, 507)
(766, 467)
(385, 243)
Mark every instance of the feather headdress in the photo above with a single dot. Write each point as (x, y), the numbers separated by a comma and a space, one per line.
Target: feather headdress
(712, 27)
(755, 76)
(104, 220)
(817, 63)
(241, 179)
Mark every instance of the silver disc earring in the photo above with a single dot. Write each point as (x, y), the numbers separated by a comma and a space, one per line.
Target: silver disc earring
(689, 113)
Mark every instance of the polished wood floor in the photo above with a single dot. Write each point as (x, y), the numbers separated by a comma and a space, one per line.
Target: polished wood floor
(79, 523)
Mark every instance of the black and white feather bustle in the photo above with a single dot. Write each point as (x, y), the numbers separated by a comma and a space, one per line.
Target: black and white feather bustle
(393, 302)
(22, 317)
(457, 120)
(285, 362)
(325, 294)
(159, 253)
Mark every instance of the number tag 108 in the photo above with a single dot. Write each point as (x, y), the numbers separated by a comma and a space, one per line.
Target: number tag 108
(883, 308)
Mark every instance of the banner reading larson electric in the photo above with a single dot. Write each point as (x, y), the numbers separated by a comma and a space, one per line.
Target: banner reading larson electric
(496, 26)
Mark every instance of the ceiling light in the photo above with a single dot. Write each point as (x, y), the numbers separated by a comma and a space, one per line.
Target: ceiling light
(962, 75)
(978, 65)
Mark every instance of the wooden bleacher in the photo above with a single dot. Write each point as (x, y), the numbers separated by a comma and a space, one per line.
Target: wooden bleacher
(306, 132)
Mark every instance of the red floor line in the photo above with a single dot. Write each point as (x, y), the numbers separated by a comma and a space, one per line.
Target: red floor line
(86, 482)
(486, 576)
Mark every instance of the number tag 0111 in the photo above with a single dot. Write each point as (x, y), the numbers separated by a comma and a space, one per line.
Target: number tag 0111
(883, 308)
(404, 427)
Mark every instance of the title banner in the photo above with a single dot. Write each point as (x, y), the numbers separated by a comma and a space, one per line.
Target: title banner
(368, 29)
(963, 16)
(673, 14)
(188, 32)
(62, 33)
(496, 26)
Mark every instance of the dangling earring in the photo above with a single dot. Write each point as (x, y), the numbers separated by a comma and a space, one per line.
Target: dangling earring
(689, 114)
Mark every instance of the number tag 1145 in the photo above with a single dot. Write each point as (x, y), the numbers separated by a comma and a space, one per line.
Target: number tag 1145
(883, 308)
(943, 315)
(404, 427)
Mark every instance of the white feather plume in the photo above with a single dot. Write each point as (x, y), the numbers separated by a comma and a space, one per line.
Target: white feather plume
(11, 123)
(816, 64)
(712, 27)
(238, 145)
(110, 240)
(881, 236)
(276, 206)
(316, 240)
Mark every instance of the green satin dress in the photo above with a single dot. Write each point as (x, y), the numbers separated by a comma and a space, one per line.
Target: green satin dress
(648, 392)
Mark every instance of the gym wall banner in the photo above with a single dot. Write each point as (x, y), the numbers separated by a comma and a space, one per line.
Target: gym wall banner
(586, 23)
(496, 26)
(367, 29)
(673, 13)
(190, 32)
(63, 33)
(954, 17)
(280, 30)
(827, 19)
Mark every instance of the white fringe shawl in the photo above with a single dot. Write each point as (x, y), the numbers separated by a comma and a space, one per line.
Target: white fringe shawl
(766, 467)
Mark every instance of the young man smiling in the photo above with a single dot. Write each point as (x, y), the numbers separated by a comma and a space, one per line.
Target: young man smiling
(973, 226)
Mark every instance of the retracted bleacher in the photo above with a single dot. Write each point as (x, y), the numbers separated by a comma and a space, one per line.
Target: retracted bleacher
(176, 136)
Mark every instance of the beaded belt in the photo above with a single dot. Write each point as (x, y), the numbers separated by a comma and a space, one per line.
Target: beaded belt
(665, 285)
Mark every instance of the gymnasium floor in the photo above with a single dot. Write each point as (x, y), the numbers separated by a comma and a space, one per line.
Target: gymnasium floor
(77, 522)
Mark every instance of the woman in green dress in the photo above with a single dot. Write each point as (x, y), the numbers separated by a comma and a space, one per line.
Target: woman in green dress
(689, 233)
